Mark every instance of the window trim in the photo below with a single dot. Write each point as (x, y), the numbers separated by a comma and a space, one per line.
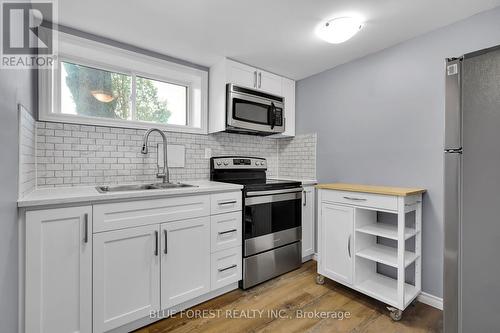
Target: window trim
(94, 54)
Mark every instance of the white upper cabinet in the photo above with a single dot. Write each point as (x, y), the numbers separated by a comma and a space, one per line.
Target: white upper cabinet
(59, 270)
(241, 74)
(229, 71)
(288, 92)
(269, 82)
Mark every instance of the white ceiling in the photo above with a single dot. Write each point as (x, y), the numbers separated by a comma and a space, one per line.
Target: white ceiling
(276, 35)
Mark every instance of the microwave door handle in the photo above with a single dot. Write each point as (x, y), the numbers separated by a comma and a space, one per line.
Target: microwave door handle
(272, 109)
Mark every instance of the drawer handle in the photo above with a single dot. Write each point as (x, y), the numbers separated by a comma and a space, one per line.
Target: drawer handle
(227, 231)
(227, 202)
(227, 268)
(355, 199)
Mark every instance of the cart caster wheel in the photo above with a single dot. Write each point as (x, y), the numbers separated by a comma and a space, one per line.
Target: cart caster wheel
(395, 314)
(320, 279)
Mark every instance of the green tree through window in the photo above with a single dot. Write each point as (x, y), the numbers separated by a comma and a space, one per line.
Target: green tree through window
(84, 83)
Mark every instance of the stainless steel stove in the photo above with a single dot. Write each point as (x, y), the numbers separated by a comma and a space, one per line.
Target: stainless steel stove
(272, 217)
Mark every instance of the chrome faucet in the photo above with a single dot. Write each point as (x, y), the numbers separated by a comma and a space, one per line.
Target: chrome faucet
(160, 173)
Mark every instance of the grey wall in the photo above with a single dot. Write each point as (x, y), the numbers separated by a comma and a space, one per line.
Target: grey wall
(380, 120)
(16, 86)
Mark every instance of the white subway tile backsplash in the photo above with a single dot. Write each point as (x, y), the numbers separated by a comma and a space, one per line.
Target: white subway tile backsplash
(94, 154)
(297, 157)
(27, 152)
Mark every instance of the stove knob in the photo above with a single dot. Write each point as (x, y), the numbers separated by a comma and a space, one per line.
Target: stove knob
(226, 163)
(219, 163)
(256, 163)
(261, 163)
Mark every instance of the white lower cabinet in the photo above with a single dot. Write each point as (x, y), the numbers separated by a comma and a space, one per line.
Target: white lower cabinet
(336, 231)
(226, 267)
(126, 276)
(351, 245)
(185, 263)
(92, 269)
(58, 294)
(308, 220)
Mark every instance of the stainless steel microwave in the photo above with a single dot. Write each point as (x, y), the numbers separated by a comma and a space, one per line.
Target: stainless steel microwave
(254, 112)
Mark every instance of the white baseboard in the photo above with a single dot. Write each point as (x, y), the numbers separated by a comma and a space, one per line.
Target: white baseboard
(431, 300)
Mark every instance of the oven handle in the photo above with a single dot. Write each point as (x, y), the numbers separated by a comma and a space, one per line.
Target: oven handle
(288, 190)
(273, 198)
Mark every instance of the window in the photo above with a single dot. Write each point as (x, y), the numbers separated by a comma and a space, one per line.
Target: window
(102, 85)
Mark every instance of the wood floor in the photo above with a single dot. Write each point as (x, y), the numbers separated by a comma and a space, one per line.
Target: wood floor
(289, 296)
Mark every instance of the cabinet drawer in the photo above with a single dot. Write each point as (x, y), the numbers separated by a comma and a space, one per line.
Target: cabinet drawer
(225, 231)
(225, 202)
(226, 267)
(378, 201)
(120, 215)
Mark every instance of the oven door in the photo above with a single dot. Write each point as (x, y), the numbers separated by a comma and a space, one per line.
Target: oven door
(254, 111)
(271, 219)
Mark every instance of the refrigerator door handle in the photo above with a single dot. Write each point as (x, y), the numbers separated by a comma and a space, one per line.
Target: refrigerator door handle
(453, 104)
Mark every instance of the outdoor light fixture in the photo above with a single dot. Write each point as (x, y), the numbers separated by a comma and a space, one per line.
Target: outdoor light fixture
(339, 30)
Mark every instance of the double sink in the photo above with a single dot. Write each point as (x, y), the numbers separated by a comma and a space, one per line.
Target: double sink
(141, 187)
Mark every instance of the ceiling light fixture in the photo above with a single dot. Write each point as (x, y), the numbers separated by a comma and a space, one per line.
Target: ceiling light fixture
(339, 30)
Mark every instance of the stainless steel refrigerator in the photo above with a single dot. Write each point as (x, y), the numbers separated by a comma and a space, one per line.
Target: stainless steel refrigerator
(472, 193)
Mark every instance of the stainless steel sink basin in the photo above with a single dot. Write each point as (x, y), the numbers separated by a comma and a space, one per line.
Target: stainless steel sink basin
(141, 187)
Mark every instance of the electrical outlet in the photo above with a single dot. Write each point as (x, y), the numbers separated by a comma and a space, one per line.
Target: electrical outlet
(208, 152)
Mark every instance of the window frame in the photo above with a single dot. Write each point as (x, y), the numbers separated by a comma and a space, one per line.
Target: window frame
(94, 54)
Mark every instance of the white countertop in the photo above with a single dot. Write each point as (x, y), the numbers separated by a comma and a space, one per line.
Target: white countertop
(303, 181)
(88, 194)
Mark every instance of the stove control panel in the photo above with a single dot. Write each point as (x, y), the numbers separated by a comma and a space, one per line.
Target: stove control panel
(237, 162)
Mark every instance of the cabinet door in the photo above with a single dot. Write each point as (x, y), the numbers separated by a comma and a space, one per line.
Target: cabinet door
(308, 205)
(336, 235)
(58, 270)
(269, 83)
(126, 276)
(289, 95)
(185, 263)
(241, 74)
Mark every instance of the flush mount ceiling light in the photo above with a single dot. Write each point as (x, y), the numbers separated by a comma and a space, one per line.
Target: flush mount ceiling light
(339, 29)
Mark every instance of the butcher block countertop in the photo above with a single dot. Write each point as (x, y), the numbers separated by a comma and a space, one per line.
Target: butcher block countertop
(387, 190)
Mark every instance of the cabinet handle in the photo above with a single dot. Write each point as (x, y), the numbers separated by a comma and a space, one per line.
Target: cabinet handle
(227, 231)
(165, 233)
(355, 199)
(86, 228)
(156, 243)
(255, 79)
(305, 198)
(260, 79)
(227, 202)
(225, 269)
(349, 246)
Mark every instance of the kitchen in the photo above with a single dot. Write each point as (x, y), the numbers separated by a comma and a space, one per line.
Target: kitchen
(297, 178)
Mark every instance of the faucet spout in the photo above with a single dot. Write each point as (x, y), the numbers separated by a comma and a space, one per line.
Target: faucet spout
(164, 174)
